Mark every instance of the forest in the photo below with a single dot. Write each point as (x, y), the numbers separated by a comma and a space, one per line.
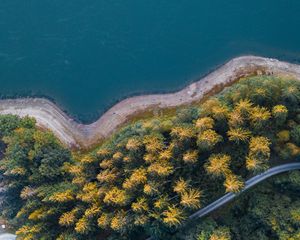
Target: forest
(270, 211)
(155, 172)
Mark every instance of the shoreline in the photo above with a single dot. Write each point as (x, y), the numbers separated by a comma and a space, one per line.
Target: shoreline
(76, 135)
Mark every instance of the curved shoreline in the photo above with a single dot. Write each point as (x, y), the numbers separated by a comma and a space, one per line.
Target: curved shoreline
(77, 135)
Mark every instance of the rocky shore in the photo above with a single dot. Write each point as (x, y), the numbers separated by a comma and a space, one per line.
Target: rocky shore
(77, 135)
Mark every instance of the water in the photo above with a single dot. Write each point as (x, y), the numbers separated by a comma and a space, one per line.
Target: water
(88, 54)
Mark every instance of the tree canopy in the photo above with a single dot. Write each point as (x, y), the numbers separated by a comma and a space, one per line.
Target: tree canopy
(153, 173)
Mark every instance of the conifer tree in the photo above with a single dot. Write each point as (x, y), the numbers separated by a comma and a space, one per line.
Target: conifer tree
(233, 183)
(280, 113)
(173, 216)
(208, 139)
(238, 135)
(218, 165)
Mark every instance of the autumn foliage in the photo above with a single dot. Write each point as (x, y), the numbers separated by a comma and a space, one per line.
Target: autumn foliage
(151, 175)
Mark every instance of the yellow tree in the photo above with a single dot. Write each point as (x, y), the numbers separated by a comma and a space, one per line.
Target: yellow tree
(280, 113)
(116, 196)
(259, 116)
(75, 170)
(233, 183)
(38, 214)
(150, 157)
(119, 220)
(151, 188)
(220, 234)
(107, 176)
(161, 168)
(238, 135)
(79, 181)
(153, 143)
(92, 211)
(180, 186)
(166, 154)
(138, 176)
(106, 163)
(68, 218)
(162, 202)
(191, 198)
(236, 119)
(259, 147)
(89, 193)
(17, 171)
(29, 232)
(259, 153)
(140, 205)
(244, 107)
(293, 149)
(78, 173)
(283, 136)
(82, 226)
(208, 106)
(220, 112)
(127, 159)
(259, 94)
(28, 192)
(87, 159)
(208, 139)
(204, 123)
(254, 164)
(61, 197)
(173, 216)
(218, 165)
(183, 132)
(133, 144)
(291, 93)
(103, 152)
(191, 156)
(295, 214)
(104, 220)
(117, 156)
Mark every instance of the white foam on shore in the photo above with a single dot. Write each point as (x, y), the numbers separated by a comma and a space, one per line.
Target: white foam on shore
(74, 134)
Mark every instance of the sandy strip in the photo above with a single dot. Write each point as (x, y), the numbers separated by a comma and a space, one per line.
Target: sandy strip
(73, 134)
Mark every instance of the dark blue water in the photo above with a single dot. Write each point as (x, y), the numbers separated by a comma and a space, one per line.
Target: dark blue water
(88, 54)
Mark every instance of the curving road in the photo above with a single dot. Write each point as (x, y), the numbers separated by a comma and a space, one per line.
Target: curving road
(248, 184)
(226, 198)
(6, 236)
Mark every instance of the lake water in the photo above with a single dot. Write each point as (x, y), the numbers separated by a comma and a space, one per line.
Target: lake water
(88, 54)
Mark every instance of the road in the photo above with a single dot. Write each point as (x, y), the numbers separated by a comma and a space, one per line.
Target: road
(7, 236)
(227, 197)
(248, 184)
